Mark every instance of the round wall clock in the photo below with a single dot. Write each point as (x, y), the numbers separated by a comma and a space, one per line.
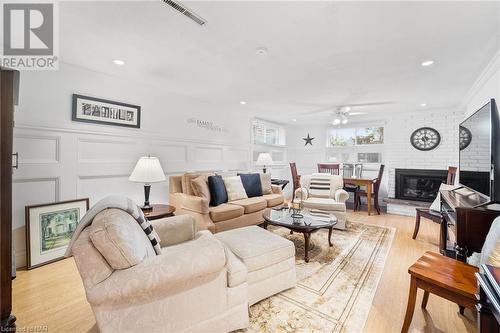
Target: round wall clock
(425, 138)
(465, 137)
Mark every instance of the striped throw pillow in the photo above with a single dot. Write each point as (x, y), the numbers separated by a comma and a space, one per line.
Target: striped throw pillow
(234, 188)
(319, 186)
(150, 232)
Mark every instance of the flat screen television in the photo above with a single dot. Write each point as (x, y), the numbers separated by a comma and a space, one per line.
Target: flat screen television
(479, 164)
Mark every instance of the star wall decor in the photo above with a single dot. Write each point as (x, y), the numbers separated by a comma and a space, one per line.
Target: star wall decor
(308, 140)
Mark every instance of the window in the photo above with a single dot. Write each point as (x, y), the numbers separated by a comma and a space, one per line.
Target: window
(341, 137)
(369, 135)
(264, 133)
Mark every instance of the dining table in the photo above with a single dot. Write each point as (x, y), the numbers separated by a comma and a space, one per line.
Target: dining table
(363, 181)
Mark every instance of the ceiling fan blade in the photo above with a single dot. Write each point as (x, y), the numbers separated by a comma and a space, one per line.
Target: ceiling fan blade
(333, 108)
(357, 113)
(367, 104)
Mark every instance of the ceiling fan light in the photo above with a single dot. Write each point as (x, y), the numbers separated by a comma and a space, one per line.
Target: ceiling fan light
(336, 121)
(344, 121)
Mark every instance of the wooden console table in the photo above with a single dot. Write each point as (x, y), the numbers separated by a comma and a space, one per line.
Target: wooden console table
(467, 220)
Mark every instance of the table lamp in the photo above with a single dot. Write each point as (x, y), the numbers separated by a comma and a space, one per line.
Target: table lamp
(147, 170)
(263, 160)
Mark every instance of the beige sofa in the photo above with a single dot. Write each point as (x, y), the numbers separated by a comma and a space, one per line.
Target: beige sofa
(192, 286)
(231, 215)
(332, 202)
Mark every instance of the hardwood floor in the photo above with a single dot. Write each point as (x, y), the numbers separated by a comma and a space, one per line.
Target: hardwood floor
(53, 295)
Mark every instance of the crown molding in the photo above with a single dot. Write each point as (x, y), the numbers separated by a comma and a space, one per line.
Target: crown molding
(490, 70)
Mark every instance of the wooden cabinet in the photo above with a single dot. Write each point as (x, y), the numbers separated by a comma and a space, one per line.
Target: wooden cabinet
(9, 82)
(468, 217)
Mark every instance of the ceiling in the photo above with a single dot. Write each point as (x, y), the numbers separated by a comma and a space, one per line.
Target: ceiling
(320, 54)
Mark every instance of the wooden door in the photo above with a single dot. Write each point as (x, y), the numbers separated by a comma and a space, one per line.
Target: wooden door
(8, 95)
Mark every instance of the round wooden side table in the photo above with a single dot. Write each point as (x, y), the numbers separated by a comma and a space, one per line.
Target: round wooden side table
(159, 211)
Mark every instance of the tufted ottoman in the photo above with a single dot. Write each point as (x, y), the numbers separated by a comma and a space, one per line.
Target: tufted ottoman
(269, 259)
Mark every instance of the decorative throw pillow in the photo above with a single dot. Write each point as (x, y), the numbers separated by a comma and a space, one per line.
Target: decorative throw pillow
(218, 194)
(251, 183)
(319, 185)
(234, 188)
(265, 183)
(120, 239)
(186, 180)
(200, 187)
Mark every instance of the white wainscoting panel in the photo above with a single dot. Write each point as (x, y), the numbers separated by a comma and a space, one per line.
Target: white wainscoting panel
(27, 192)
(207, 154)
(37, 149)
(106, 151)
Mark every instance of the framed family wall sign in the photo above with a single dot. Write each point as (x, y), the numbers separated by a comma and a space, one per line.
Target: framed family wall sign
(103, 111)
(49, 228)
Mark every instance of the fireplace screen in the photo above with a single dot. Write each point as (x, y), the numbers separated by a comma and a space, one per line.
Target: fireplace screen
(419, 185)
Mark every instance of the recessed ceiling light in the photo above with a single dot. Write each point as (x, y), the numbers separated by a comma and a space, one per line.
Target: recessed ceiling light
(261, 50)
(427, 63)
(119, 62)
(243, 102)
(294, 120)
(423, 105)
(348, 108)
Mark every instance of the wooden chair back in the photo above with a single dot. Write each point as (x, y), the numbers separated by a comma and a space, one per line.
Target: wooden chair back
(331, 168)
(452, 174)
(295, 176)
(378, 181)
(352, 169)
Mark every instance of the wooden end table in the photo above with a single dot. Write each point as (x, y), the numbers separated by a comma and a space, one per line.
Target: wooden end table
(159, 212)
(448, 278)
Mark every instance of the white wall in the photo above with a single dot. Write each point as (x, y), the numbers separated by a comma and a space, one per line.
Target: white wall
(61, 160)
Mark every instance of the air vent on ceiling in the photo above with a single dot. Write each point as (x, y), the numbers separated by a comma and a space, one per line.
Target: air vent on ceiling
(187, 12)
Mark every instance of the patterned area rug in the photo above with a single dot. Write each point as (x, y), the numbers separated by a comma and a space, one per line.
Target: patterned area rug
(335, 289)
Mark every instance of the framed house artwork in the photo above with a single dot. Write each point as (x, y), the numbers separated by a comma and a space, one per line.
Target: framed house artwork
(49, 228)
(102, 111)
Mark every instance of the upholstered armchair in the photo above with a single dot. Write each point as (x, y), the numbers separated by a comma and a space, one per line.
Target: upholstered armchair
(194, 285)
(327, 194)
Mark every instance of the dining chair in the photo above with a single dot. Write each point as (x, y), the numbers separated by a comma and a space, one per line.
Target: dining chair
(331, 168)
(433, 215)
(376, 187)
(295, 177)
(348, 171)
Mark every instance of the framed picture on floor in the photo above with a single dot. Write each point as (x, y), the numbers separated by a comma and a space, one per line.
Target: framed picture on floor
(103, 111)
(49, 228)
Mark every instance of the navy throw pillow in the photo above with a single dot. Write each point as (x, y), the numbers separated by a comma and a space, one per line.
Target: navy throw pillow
(251, 183)
(218, 194)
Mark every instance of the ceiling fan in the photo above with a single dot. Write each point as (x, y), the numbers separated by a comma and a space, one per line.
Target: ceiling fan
(350, 106)
(342, 111)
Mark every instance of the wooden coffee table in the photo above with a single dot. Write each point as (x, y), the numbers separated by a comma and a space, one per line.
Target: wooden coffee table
(307, 225)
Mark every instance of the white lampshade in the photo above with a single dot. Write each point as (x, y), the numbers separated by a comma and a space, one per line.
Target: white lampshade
(264, 159)
(147, 170)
